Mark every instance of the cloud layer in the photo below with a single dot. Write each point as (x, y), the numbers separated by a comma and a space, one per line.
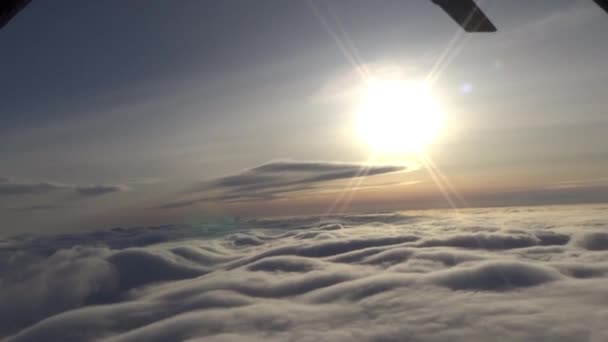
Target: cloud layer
(502, 274)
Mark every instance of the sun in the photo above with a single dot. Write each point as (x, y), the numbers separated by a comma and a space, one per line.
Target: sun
(397, 116)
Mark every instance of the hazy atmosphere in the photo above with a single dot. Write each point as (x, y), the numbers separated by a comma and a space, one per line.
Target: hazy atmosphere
(303, 170)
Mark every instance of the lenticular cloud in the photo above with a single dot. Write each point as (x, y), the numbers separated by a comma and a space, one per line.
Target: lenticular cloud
(493, 274)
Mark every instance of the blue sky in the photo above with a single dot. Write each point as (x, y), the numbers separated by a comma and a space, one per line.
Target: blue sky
(143, 101)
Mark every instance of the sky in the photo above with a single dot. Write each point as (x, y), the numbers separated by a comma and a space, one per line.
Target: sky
(148, 112)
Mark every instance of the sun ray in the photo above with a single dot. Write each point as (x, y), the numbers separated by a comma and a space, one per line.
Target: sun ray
(350, 187)
(444, 179)
(344, 43)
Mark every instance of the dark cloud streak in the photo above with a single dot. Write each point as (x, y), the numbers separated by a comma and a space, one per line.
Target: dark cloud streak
(275, 179)
(98, 190)
(8, 187)
(42, 207)
(12, 189)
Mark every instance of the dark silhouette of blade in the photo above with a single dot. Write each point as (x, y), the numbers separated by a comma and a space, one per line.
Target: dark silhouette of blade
(467, 14)
(603, 4)
(8, 9)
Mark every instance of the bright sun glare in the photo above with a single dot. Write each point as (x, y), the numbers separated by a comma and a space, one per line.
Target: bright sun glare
(396, 116)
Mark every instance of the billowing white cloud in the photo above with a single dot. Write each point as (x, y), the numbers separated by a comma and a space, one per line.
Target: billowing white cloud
(524, 274)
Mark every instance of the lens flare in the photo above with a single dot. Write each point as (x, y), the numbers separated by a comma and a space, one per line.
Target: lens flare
(396, 116)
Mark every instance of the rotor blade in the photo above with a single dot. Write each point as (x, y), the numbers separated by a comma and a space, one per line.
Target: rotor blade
(9, 8)
(603, 4)
(467, 14)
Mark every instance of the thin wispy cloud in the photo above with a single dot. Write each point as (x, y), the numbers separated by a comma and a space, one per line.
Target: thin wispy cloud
(99, 190)
(573, 184)
(275, 179)
(10, 187)
(36, 208)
